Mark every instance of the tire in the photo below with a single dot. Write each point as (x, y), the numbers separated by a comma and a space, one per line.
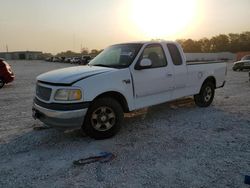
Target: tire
(103, 119)
(206, 95)
(2, 83)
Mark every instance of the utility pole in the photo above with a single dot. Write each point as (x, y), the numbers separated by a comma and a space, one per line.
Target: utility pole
(81, 48)
(74, 41)
(7, 49)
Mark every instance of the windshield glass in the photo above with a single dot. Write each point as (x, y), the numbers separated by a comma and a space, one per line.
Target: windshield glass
(117, 56)
(246, 58)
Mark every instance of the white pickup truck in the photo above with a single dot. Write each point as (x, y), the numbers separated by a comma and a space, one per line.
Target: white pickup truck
(123, 78)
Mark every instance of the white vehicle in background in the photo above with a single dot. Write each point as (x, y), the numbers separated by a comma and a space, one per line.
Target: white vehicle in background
(67, 60)
(244, 63)
(75, 60)
(123, 78)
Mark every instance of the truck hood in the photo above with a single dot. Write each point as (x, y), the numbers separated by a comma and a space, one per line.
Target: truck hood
(69, 76)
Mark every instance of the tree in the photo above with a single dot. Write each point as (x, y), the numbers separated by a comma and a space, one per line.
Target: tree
(205, 45)
(46, 55)
(84, 51)
(234, 45)
(244, 40)
(67, 54)
(180, 41)
(191, 46)
(220, 43)
(94, 51)
(232, 42)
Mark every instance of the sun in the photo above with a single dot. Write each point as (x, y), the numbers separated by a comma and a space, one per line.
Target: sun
(162, 18)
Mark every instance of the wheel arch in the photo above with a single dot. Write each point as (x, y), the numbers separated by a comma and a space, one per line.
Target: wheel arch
(118, 97)
(210, 79)
(200, 98)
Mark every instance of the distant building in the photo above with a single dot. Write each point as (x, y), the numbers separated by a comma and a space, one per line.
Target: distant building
(22, 55)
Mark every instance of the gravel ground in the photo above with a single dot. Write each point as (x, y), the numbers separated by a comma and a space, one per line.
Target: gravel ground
(171, 145)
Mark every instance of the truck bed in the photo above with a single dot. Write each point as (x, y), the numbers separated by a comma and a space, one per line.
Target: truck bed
(204, 69)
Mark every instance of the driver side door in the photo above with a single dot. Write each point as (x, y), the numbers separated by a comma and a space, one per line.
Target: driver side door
(152, 85)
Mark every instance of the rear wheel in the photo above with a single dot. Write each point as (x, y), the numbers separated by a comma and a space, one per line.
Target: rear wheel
(103, 119)
(206, 95)
(2, 83)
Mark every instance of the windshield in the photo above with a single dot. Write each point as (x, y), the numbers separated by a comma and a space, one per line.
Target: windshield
(246, 58)
(117, 56)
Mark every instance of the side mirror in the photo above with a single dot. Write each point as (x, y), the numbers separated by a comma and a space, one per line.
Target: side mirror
(145, 63)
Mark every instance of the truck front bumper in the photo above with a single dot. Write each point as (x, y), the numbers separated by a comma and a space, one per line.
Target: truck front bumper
(59, 118)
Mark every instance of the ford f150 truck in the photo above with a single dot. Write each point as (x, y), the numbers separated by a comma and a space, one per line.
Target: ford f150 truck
(123, 78)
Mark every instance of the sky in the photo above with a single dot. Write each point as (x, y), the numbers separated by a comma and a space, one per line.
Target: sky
(59, 25)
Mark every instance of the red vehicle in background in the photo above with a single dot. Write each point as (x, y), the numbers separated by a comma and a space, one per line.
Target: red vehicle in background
(6, 74)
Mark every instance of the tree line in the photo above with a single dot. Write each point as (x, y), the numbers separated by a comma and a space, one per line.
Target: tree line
(84, 51)
(231, 42)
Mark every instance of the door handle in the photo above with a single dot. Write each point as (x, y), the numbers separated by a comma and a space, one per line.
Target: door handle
(169, 75)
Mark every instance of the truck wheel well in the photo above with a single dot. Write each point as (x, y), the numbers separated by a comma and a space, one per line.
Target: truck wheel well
(211, 79)
(118, 97)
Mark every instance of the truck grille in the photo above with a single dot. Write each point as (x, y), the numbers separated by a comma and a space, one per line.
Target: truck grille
(43, 92)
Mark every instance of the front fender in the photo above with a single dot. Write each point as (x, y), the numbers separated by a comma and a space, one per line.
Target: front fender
(108, 82)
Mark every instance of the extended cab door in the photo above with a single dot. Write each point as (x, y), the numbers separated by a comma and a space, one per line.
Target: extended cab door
(179, 69)
(152, 85)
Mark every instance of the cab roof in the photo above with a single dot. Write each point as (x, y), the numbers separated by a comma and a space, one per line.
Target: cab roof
(147, 42)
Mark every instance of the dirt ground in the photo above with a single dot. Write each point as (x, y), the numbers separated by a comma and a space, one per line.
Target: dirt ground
(171, 145)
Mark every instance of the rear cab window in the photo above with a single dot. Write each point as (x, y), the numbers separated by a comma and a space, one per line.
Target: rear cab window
(175, 54)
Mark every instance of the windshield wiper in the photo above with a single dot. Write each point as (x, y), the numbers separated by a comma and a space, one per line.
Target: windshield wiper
(101, 65)
(111, 66)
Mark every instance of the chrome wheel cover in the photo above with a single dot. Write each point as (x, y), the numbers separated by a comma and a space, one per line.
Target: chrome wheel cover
(103, 119)
(208, 94)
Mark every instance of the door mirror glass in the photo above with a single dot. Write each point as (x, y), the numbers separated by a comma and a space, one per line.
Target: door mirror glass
(145, 63)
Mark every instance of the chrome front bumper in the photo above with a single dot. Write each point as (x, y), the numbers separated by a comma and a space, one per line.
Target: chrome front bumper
(58, 118)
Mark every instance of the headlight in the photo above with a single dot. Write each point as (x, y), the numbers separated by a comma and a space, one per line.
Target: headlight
(68, 95)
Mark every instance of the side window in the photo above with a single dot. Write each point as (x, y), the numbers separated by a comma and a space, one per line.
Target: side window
(156, 55)
(175, 54)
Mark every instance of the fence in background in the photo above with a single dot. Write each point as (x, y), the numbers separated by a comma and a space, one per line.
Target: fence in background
(210, 56)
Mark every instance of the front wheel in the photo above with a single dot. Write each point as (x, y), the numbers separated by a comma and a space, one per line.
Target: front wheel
(206, 95)
(1, 83)
(103, 119)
